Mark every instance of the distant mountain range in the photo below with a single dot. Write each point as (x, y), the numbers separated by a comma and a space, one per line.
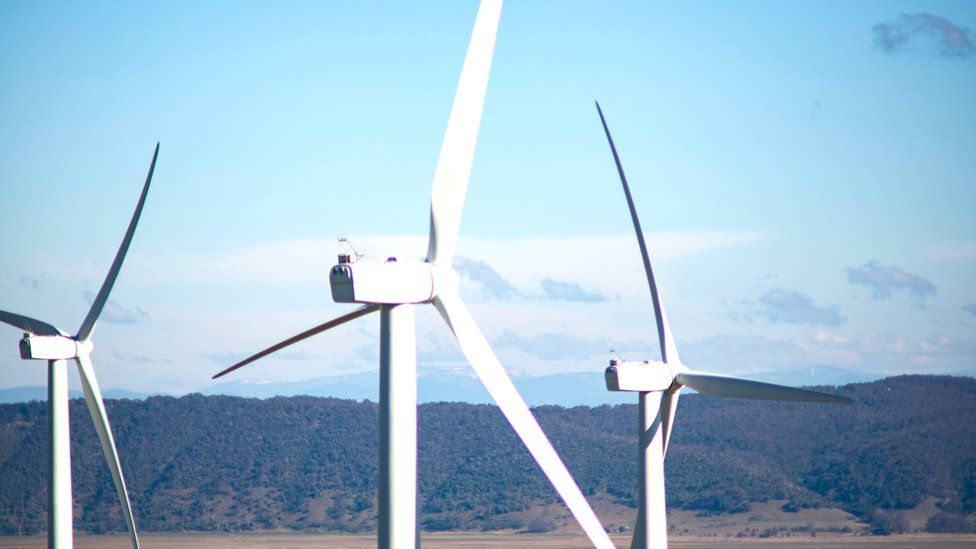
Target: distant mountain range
(438, 385)
(816, 375)
(462, 385)
(39, 392)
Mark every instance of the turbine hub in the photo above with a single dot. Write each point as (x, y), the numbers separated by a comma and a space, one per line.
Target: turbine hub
(446, 279)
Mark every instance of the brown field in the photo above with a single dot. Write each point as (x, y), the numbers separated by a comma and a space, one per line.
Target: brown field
(832, 527)
(477, 541)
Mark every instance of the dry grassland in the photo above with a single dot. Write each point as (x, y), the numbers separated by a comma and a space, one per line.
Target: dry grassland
(480, 541)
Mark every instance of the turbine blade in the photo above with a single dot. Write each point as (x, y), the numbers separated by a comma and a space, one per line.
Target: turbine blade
(457, 150)
(737, 387)
(669, 352)
(88, 326)
(669, 405)
(478, 352)
(304, 335)
(28, 324)
(96, 407)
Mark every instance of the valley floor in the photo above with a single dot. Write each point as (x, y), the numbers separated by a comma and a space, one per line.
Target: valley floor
(479, 541)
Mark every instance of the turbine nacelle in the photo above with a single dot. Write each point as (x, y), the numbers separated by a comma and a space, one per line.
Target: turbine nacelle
(641, 377)
(37, 347)
(390, 282)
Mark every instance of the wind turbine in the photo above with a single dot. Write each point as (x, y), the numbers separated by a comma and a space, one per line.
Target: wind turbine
(42, 341)
(659, 384)
(395, 286)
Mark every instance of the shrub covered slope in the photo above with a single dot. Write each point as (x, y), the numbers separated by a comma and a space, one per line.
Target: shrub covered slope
(303, 463)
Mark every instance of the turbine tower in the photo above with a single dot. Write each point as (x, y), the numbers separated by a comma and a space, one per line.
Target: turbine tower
(394, 287)
(42, 341)
(659, 384)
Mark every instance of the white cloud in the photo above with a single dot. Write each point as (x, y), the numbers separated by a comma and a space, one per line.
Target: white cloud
(886, 354)
(736, 354)
(885, 280)
(792, 307)
(239, 302)
(524, 262)
(493, 284)
(235, 303)
(553, 346)
(115, 313)
(926, 32)
(897, 353)
(569, 291)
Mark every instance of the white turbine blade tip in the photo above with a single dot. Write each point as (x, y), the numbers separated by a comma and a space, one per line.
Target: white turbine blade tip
(457, 150)
(669, 351)
(88, 325)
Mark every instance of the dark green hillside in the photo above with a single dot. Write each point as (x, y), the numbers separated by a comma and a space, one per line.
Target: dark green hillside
(226, 463)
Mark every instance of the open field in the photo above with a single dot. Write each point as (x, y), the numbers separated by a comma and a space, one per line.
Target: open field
(478, 541)
(832, 527)
(689, 530)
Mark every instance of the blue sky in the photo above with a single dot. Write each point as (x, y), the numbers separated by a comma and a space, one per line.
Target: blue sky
(804, 172)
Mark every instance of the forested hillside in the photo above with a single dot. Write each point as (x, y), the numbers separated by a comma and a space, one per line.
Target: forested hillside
(227, 463)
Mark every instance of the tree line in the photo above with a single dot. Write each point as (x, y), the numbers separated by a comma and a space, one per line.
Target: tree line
(222, 463)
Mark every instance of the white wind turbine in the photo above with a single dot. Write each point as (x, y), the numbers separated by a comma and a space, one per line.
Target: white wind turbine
(395, 286)
(659, 384)
(43, 341)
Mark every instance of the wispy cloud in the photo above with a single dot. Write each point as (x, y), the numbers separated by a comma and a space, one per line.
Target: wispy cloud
(794, 307)
(228, 358)
(551, 346)
(548, 346)
(117, 314)
(926, 32)
(297, 355)
(496, 286)
(556, 346)
(439, 349)
(885, 280)
(369, 353)
(742, 354)
(790, 307)
(136, 359)
(899, 353)
(971, 309)
(23, 280)
(493, 283)
(883, 353)
(524, 261)
(569, 291)
(31, 282)
(225, 359)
